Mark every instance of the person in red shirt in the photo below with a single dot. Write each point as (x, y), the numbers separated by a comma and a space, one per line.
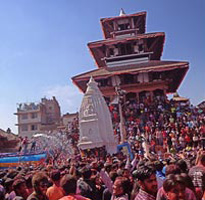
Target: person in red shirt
(187, 139)
(55, 192)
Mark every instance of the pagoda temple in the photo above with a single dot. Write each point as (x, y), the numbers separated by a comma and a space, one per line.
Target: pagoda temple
(130, 59)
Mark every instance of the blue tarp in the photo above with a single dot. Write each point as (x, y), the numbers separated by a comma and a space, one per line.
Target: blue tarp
(22, 158)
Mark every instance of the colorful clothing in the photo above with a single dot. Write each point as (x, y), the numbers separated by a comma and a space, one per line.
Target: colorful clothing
(124, 197)
(55, 193)
(74, 197)
(197, 173)
(35, 196)
(142, 195)
(189, 194)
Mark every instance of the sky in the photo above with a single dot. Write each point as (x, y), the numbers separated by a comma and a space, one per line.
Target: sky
(43, 43)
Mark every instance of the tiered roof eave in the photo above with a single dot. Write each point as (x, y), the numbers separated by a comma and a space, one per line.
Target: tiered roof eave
(151, 66)
(104, 21)
(94, 46)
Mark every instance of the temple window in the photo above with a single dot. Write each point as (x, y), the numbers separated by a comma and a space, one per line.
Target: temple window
(113, 51)
(103, 83)
(136, 48)
(116, 51)
(143, 77)
(123, 24)
(156, 76)
(128, 79)
(141, 47)
(126, 49)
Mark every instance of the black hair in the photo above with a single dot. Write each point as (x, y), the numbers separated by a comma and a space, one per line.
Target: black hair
(182, 165)
(171, 181)
(124, 182)
(55, 175)
(143, 173)
(188, 181)
(158, 165)
(172, 169)
(69, 184)
(86, 172)
(39, 177)
(17, 184)
(113, 175)
(202, 158)
(28, 178)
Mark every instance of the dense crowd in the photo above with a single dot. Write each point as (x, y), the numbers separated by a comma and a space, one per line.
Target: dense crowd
(165, 125)
(180, 176)
(172, 169)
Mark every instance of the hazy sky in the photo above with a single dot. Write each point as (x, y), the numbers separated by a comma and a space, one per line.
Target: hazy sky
(43, 43)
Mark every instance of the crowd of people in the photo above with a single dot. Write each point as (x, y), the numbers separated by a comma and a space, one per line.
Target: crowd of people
(172, 169)
(167, 126)
(113, 177)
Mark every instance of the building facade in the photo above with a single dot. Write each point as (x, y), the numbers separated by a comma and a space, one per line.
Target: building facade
(67, 121)
(41, 117)
(129, 59)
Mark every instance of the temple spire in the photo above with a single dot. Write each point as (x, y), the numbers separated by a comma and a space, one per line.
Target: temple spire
(95, 122)
(122, 12)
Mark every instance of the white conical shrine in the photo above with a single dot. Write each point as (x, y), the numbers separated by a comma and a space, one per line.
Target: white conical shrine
(122, 12)
(95, 121)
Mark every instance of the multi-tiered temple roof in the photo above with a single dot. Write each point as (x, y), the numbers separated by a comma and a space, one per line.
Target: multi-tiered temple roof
(132, 55)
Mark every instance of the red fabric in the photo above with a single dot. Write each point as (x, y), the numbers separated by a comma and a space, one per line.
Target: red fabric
(187, 138)
(74, 197)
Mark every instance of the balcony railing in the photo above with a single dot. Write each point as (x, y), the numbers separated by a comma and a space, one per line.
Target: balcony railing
(127, 59)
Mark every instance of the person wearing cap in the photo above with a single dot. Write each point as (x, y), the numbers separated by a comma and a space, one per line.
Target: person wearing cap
(55, 192)
(40, 186)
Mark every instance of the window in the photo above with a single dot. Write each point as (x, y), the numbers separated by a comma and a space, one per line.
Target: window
(34, 115)
(128, 79)
(24, 128)
(24, 116)
(126, 49)
(143, 77)
(141, 47)
(156, 76)
(103, 82)
(123, 26)
(34, 127)
(111, 52)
